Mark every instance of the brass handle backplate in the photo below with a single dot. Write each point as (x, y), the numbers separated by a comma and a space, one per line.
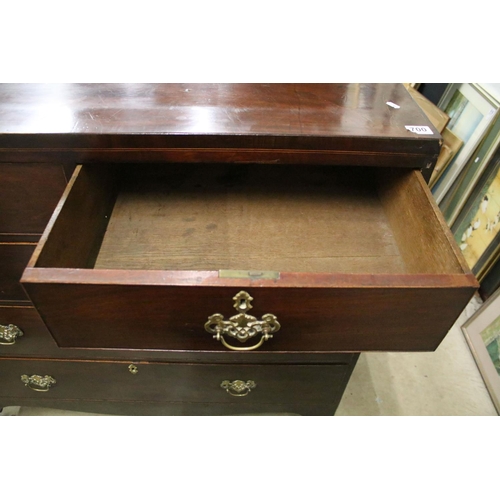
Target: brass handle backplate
(133, 369)
(37, 382)
(9, 334)
(238, 387)
(242, 326)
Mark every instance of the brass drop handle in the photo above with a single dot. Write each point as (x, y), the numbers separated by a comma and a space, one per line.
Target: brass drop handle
(9, 334)
(37, 382)
(238, 388)
(242, 326)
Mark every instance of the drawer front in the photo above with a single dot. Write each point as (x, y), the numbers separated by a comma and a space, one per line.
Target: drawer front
(22, 333)
(124, 381)
(28, 336)
(29, 194)
(312, 320)
(13, 260)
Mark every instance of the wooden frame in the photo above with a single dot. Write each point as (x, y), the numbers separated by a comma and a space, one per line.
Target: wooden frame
(477, 228)
(456, 99)
(481, 332)
(459, 193)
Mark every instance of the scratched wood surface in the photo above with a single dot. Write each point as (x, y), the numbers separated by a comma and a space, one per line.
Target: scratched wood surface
(342, 124)
(314, 110)
(283, 219)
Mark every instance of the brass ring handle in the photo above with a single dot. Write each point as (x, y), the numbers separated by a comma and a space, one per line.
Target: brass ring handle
(37, 382)
(249, 348)
(238, 388)
(242, 326)
(9, 334)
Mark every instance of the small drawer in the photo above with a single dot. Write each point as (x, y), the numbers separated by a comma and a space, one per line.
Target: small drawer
(29, 194)
(196, 383)
(159, 257)
(13, 260)
(23, 333)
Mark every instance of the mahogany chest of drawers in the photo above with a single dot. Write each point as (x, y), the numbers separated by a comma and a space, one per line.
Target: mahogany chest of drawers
(215, 249)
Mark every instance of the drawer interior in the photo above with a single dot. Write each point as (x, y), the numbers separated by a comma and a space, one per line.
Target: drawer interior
(297, 219)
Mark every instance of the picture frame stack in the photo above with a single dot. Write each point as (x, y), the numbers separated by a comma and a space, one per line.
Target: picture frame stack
(467, 189)
(466, 185)
(472, 111)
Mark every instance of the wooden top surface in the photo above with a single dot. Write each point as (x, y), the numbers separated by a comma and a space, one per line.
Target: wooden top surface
(325, 110)
(352, 117)
(332, 124)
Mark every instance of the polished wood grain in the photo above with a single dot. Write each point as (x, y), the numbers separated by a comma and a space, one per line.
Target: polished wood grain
(37, 342)
(29, 192)
(194, 383)
(348, 124)
(301, 110)
(313, 319)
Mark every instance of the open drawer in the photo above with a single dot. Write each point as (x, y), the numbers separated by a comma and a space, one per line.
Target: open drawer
(326, 258)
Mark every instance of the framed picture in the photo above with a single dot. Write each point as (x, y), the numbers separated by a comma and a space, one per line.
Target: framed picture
(477, 228)
(457, 195)
(471, 111)
(482, 333)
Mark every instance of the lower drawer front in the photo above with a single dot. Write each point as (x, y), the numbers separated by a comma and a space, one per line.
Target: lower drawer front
(266, 384)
